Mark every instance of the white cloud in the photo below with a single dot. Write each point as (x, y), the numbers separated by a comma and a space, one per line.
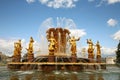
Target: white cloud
(112, 22)
(30, 1)
(101, 2)
(113, 1)
(108, 51)
(6, 46)
(116, 36)
(57, 3)
(43, 1)
(77, 32)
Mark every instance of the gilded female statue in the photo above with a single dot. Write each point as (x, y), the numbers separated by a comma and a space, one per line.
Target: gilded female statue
(17, 51)
(30, 47)
(90, 45)
(73, 44)
(52, 44)
(90, 49)
(98, 48)
(17, 48)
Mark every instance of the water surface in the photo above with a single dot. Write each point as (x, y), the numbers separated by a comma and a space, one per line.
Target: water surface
(111, 73)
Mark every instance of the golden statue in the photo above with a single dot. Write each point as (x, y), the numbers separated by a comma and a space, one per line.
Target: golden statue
(98, 48)
(17, 48)
(98, 56)
(30, 47)
(52, 45)
(90, 43)
(90, 49)
(17, 51)
(73, 44)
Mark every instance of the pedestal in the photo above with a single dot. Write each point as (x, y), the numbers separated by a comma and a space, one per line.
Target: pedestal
(30, 57)
(51, 58)
(73, 58)
(91, 57)
(16, 58)
(98, 57)
(51, 52)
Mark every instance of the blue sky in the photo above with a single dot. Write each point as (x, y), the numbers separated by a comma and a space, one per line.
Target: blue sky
(95, 19)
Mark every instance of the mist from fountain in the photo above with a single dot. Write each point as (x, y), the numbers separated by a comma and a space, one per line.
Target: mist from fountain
(67, 45)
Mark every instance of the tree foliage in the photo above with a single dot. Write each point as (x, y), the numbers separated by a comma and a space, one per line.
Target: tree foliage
(118, 53)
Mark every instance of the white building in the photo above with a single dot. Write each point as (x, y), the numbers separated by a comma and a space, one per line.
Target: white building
(110, 60)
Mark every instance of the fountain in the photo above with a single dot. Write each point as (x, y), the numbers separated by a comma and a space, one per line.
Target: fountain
(57, 59)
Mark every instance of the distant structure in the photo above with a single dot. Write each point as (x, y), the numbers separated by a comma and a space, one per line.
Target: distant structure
(110, 60)
(83, 53)
(118, 53)
(3, 57)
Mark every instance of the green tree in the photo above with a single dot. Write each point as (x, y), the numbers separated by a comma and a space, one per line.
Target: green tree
(118, 53)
